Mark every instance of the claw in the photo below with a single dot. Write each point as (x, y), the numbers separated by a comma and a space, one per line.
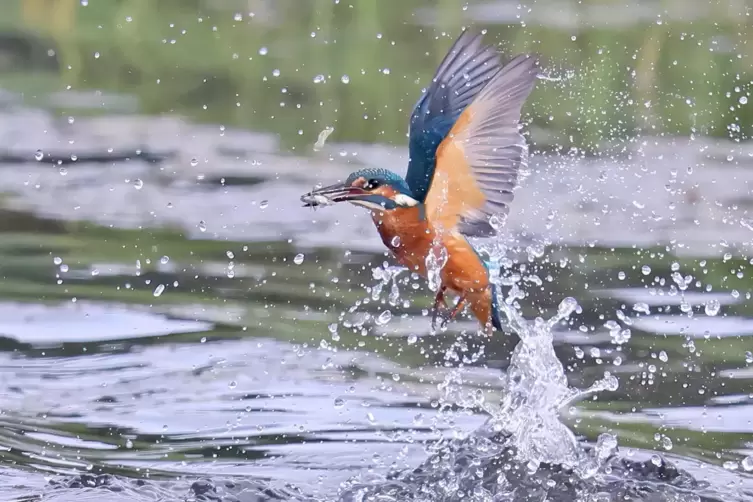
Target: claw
(441, 314)
(440, 309)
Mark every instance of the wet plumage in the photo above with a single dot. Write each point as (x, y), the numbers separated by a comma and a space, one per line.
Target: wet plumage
(466, 151)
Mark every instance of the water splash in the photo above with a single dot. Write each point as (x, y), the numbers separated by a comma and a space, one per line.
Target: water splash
(536, 389)
(435, 262)
(523, 432)
(385, 275)
(535, 385)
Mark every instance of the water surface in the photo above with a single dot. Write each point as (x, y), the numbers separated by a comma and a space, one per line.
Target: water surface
(173, 324)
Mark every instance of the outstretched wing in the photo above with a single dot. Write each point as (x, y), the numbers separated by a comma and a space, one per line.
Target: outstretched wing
(477, 163)
(464, 71)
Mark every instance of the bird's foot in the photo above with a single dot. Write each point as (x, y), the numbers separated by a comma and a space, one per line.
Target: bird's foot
(442, 315)
(445, 314)
(440, 310)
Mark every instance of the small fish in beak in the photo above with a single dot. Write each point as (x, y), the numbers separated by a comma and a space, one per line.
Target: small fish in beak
(326, 196)
(315, 200)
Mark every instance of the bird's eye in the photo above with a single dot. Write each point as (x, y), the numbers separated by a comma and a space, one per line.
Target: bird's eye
(372, 184)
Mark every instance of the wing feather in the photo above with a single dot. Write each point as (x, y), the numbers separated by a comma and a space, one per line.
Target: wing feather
(478, 162)
(463, 73)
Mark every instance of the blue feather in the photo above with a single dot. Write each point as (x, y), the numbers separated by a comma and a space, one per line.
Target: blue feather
(496, 321)
(465, 70)
(384, 176)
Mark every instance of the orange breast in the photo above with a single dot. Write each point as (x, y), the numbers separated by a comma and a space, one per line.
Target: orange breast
(410, 238)
(464, 270)
(407, 235)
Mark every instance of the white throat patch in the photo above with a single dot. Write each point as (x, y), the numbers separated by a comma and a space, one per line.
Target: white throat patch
(403, 200)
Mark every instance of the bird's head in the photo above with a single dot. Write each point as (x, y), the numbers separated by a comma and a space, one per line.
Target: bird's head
(375, 189)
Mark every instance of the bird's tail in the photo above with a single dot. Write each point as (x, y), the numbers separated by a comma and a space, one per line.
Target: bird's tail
(496, 320)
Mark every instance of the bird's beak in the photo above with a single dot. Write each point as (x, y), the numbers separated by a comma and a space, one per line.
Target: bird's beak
(339, 192)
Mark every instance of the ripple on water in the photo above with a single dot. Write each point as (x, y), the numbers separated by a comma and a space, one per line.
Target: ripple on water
(696, 327)
(81, 322)
(269, 402)
(720, 418)
(658, 297)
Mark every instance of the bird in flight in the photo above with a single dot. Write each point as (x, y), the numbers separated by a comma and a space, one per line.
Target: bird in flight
(465, 150)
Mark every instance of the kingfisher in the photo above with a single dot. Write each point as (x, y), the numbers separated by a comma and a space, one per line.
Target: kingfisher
(465, 153)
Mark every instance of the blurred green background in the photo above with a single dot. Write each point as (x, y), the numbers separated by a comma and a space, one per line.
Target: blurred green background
(662, 67)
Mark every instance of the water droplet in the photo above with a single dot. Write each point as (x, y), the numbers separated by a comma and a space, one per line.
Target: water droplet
(663, 357)
(645, 270)
(39, 155)
(194, 162)
(298, 258)
(497, 221)
(238, 17)
(319, 79)
(230, 254)
(164, 260)
(323, 135)
(642, 307)
(71, 120)
(159, 290)
(749, 357)
(666, 443)
(339, 402)
(412, 339)
(606, 444)
(743, 100)
(656, 460)
(84, 3)
(345, 79)
(611, 383)
(64, 268)
(203, 226)
(567, 307)
(395, 242)
(712, 307)
(263, 204)
(129, 444)
(730, 465)
(57, 260)
(384, 318)
(747, 463)
(263, 51)
(233, 384)
(138, 184)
